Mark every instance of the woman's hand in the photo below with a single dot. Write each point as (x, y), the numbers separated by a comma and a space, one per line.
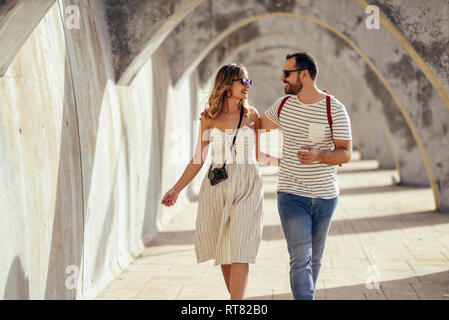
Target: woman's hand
(170, 197)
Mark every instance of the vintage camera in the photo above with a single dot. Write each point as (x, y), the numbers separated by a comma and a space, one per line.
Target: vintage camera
(217, 175)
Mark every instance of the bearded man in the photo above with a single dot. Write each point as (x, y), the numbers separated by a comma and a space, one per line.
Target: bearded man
(317, 137)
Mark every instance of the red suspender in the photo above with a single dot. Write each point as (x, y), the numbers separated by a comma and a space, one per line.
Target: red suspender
(329, 116)
(328, 110)
(282, 105)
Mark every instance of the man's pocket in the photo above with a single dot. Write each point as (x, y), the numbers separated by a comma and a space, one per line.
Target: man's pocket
(316, 132)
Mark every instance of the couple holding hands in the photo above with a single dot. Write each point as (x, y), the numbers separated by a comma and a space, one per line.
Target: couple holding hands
(316, 138)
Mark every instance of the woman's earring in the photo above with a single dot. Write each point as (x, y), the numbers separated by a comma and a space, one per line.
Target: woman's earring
(227, 94)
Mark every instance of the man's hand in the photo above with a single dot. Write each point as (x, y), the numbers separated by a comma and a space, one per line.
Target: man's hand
(308, 154)
(342, 154)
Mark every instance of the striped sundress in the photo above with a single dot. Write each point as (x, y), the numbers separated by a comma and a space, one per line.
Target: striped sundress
(230, 214)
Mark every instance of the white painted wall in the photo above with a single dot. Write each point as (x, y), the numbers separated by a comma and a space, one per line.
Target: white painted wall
(118, 165)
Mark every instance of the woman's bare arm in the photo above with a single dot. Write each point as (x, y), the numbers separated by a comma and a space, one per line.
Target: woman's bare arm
(194, 166)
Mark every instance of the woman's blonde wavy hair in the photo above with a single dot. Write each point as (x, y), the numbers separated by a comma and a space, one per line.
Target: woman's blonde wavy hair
(223, 82)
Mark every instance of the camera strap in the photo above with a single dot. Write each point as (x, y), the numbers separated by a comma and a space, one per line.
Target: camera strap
(236, 132)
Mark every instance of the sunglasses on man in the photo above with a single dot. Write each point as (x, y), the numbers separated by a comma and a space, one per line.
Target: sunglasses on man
(244, 81)
(286, 73)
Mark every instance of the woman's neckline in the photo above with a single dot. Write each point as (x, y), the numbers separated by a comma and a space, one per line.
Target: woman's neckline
(229, 129)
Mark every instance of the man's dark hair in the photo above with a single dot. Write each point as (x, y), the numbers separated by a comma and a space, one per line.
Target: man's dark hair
(305, 60)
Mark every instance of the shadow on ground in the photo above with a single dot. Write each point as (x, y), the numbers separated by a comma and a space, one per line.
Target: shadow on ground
(433, 286)
(338, 227)
(379, 189)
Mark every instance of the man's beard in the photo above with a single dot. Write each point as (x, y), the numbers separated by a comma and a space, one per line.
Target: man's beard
(293, 88)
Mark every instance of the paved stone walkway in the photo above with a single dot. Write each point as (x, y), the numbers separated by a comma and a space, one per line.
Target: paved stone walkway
(385, 242)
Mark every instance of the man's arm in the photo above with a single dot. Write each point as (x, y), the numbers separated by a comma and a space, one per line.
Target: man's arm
(261, 156)
(266, 124)
(341, 154)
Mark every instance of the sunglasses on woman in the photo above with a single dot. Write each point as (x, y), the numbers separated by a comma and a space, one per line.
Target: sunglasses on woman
(286, 73)
(244, 81)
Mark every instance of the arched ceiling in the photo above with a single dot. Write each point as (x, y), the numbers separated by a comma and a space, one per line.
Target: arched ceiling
(385, 66)
(137, 29)
(397, 75)
(420, 27)
(18, 19)
(404, 64)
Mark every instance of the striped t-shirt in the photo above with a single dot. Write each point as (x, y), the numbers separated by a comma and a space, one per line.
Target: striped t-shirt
(307, 125)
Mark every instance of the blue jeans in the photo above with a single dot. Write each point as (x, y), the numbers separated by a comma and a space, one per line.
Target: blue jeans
(305, 222)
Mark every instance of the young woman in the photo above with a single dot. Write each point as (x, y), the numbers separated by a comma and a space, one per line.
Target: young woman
(229, 219)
